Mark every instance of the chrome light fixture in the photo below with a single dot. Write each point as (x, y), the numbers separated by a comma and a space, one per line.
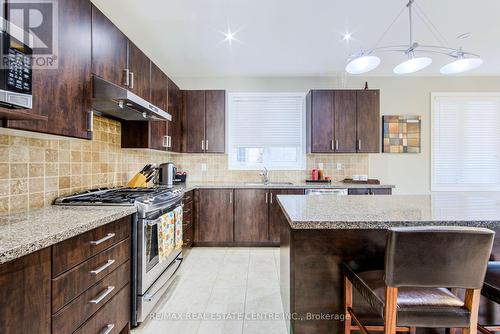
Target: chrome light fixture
(366, 61)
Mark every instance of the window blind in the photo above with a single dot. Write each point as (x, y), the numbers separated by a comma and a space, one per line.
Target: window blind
(465, 142)
(272, 122)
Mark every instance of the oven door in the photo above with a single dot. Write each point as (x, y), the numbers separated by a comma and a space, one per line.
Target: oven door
(149, 266)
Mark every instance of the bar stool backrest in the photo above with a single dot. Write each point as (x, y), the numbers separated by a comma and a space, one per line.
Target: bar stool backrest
(439, 257)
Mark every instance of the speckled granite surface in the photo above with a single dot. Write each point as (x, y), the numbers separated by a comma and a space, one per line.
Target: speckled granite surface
(334, 185)
(374, 212)
(27, 232)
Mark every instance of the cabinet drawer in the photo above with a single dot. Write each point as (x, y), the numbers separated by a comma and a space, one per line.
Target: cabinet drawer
(187, 208)
(80, 309)
(187, 220)
(188, 236)
(71, 252)
(72, 283)
(112, 317)
(370, 191)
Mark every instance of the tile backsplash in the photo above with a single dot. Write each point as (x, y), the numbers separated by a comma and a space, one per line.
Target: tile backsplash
(35, 171)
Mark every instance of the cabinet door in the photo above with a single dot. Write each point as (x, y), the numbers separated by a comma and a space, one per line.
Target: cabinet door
(274, 211)
(214, 215)
(63, 94)
(215, 109)
(321, 111)
(25, 294)
(159, 97)
(109, 49)
(368, 121)
(345, 121)
(174, 108)
(251, 221)
(194, 119)
(140, 72)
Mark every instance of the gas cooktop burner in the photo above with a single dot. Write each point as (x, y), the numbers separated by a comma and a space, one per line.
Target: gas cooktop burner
(119, 196)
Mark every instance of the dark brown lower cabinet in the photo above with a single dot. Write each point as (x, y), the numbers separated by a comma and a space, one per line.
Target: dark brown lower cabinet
(214, 215)
(251, 215)
(275, 209)
(25, 294)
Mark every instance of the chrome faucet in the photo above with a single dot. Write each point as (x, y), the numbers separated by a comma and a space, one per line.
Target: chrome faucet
(265, 174)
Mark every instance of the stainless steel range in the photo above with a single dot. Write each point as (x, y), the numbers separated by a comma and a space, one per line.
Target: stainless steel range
(151, 276)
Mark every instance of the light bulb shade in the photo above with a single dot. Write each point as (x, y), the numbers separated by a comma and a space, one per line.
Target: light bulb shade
(461, 65)
(362, 64)
(412, 65)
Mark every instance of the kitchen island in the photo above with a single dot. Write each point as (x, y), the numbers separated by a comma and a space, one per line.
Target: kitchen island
(318, 233)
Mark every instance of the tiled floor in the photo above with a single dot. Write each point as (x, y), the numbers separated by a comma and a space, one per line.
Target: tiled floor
(238, 284)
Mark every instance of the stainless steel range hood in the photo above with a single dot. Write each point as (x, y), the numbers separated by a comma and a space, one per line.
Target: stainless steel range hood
(117, 102)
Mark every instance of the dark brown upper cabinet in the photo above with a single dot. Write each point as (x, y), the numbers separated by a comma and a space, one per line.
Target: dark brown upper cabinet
(159, 97)
(214, 215)
(62, 95)
(109, 50)
(368, 121)
(251, 215)
(139, 67)
(174, 128)
(204, 121)
(343, 121)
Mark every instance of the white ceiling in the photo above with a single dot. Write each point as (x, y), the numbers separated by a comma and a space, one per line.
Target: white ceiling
(295, 37)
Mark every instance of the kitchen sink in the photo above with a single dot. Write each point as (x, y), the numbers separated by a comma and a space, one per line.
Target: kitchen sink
(269, 184)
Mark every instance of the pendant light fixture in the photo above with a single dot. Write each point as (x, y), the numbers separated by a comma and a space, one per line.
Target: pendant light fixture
(366, 61)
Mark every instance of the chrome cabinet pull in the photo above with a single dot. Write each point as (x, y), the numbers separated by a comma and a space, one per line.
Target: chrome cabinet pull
(100, 241)
(169, 141)
(165, 141)
(271, 198)
(127, 77)
(203, 145)
(266, 197)
(104, 267)
(332, 145)
(231, 197)
(359, 144)
(107, 329)
(131, 80)
(206, 145)
(336, 144)
(103, 295)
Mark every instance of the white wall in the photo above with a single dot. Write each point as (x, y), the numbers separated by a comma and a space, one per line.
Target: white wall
(399, 96)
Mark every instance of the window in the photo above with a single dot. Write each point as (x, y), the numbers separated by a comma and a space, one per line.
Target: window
(465, 146)
(266, 129)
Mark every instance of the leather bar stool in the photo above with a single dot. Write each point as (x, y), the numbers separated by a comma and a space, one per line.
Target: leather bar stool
(491, 290)
(411, 290)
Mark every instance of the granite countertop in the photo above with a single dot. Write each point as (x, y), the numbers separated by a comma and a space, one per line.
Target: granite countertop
(252, 185)
(27, 232)
(374, 212)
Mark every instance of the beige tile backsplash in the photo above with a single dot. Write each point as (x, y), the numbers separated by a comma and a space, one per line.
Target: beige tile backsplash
(33, 171)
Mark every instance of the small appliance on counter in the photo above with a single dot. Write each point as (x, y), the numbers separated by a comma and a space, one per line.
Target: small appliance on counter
(166, 174)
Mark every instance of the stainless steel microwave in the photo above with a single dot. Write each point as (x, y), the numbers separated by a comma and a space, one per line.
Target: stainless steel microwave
(15, 72)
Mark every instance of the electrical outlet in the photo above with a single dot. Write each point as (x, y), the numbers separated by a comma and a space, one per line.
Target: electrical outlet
(339, 166)
(320, 166)
(203, 167)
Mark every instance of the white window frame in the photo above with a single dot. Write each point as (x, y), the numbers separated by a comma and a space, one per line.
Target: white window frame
(302, 154)
(439, 188)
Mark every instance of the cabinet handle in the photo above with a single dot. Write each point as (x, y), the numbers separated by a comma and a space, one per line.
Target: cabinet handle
(231, 197)
(271, 198)
(127, 77)
(107, 329)
(206, 145)
(90, 121)
(100, 241)
(336, 144)
(103, 295)
(359, 144)
(333, 147)
(203, 145)
(165, 141)
(131, 80)
(266, 197)
(104, 267)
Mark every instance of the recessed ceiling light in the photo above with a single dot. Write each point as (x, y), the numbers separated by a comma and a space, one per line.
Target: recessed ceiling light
(229, 36)
(464, 35)
(347, 36)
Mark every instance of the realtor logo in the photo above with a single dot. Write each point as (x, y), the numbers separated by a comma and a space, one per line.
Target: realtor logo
(38, 22)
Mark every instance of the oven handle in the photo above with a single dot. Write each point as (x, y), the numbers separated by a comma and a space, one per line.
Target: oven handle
(161, 212)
